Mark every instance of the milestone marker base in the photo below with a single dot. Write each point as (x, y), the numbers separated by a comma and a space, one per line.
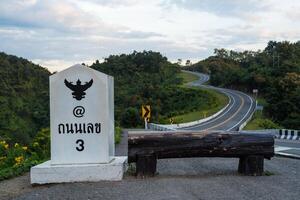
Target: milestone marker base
(46, 173)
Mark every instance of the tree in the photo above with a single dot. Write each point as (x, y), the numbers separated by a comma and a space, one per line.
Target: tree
(130, 118)
(24, 99)
(188, 63)
(179, 61)
(275, 71)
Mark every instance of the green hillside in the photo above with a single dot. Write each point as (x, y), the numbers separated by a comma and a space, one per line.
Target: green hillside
(140, 78)
(24, 99)
(149, 78)
(275, 72)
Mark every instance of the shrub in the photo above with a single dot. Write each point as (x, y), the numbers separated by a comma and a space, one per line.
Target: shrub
(267, 124)
(130, 118)
(16, 158)
(118, 132)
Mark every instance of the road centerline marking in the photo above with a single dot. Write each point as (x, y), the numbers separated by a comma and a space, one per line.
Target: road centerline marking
(236, 112)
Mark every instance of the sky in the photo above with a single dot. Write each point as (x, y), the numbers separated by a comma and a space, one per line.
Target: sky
(59, 33)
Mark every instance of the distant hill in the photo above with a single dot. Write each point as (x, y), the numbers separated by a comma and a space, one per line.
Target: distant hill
(24, 98)
(140, 78)
(147, 77)
(275, 72)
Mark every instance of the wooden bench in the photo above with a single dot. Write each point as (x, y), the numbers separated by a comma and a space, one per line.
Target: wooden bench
(145, 147)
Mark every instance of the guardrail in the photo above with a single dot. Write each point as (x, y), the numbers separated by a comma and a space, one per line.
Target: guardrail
(286, 134)
(170, 127)
(159, 127)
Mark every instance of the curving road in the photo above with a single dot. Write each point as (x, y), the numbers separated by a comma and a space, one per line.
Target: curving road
(240, 108)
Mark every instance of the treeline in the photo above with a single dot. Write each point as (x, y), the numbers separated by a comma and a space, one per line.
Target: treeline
(148, 78)
(24, 98)
(140, 78)
(275, 72)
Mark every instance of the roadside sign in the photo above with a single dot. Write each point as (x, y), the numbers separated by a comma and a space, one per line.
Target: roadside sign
(146, 111)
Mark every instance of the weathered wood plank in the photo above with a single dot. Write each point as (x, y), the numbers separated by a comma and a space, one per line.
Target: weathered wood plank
(251, 165)
(199, 144)
(146, 165)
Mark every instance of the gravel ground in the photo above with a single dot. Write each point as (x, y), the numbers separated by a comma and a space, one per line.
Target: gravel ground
(190, 178)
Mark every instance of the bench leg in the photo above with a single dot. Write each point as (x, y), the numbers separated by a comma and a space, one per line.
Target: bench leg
(146, 165)
(251, 165)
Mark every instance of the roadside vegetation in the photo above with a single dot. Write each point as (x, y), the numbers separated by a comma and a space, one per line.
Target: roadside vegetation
(148, 78)
(275, 72)
(24, 99)
(16, 158)
(213, 102)
(259, 121)
(187, 77)
(118, 134)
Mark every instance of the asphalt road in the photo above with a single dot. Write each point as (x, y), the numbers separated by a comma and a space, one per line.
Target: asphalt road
(240, 107)
(287, 148)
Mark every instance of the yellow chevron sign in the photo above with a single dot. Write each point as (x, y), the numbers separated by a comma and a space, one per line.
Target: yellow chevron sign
(146, 111)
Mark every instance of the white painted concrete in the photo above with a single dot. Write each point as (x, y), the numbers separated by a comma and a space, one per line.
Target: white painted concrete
(82, 129)
(47, 173)
(97, 102)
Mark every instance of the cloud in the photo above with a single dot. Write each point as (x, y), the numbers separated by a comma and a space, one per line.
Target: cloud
(113, 3)
(54, 14)
(62, 34)
(59, 33)
(218, 7)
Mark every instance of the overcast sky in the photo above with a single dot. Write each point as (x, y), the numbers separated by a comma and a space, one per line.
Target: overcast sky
(59, 33)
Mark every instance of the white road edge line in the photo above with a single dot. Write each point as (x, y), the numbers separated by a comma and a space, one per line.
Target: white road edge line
(221, 115)
(245, 114)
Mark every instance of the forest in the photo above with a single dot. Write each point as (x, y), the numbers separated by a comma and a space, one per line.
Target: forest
(148, 78)
(24, 98)
(140, 78)
(274, 72)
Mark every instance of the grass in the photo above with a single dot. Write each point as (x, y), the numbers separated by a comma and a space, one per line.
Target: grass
(187, 77)
(259, 121)
(261, 101)
(221, 101)
(118, 132)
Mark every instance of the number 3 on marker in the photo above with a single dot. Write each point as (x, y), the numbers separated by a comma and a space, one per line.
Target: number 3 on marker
(80, 145)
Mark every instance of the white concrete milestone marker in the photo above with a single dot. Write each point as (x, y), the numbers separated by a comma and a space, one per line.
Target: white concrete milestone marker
(82, 129)
(81, 116)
